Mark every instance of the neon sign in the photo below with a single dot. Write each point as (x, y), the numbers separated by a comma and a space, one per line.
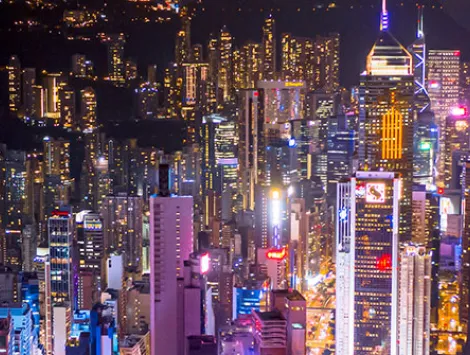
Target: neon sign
(276, 254)
(205, 260)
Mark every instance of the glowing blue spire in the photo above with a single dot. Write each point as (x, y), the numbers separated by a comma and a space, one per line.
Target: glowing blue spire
(384, 20)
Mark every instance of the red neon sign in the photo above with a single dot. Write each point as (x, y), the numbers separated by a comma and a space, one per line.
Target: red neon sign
(276, 254)
(384, 263)
(60, 213)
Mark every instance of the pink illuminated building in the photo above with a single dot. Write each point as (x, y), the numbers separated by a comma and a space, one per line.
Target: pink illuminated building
(171, 243)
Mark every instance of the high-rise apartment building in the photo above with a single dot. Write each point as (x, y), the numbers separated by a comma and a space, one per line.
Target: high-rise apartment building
(171, 242)
(444, 90)
(225, 63)
(326, 62)
(269, 49)
(14, 83)
(88, 109)
(67, 108)
(27, 87)
(414, 302)
(122, 223)
(116, 66)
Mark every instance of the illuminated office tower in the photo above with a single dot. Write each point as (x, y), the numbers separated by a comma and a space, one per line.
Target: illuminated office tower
(386, 115)
(183, 39)
(14, 83)
(219, 147)
(282, 165)
(444, 90)
(122, 224)
(225, 63)
(147, 105)
(414, 302)
(67, 108)
(171, 243)
(457, 140)
(57, 158)
(116, 68)
(88, 109)
(27, 87)
(60, 232)
(89, 228)
(269, 49)
(52, 83)
(172, 85)
(195, 77)
(326, 62)
(367, 254)
(425, 149)
(418, 50)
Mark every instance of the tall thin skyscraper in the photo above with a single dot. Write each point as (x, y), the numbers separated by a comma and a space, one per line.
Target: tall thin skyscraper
(444, 89)
(116, 66)
(386, 115)
(60, 230)
(418, 50)
(367, 251)
(14, 83)
(225, 67)
(269, 48)
(171, 243)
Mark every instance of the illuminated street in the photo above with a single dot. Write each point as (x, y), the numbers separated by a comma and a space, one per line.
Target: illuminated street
(320, 315)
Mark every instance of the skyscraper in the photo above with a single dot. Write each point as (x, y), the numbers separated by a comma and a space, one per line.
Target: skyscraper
(386, 115)
(269, 49)
(326, 62)
(414, 300)
(14, 83)
(122, 224)
(444, 89)
(88, 109)
(29, 80)
(367, 264)
(116, 68)
(171, 242)
(60, 231)
(418, 50)
(225, 67)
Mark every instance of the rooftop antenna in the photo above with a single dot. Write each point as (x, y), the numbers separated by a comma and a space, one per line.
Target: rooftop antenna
(384, 20)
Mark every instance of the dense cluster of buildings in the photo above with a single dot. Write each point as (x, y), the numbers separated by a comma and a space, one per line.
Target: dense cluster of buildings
(298, 217)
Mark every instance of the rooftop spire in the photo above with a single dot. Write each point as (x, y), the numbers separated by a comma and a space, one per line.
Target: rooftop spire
(384, 17)
(420, 33)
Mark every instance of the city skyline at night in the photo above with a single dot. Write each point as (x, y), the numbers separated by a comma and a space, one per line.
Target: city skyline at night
(265, 177)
